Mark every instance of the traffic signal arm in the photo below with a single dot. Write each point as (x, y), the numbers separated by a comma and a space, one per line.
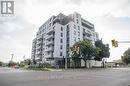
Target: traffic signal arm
(114, 43)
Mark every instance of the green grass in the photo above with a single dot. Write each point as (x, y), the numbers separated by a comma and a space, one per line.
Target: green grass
(39, 69)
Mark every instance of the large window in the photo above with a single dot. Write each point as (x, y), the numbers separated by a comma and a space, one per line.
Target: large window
(54, 27)
(61, 28)
(74, 26)
(61, 47)
(61, 40)
(78, 28)
(77, 21)
(78, 33)
(74, 39)
(67, 40)
(50, 25)
(79, 39)
(68, 27)
(60, 53)
(74, 32)
(61, 34)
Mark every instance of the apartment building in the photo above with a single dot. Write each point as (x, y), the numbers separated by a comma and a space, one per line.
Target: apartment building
(55, 37)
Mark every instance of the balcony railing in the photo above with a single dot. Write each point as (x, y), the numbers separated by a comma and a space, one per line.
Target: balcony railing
(49, 55)
(49, 31)
(49, 36)
(50, 43)
(49, 49)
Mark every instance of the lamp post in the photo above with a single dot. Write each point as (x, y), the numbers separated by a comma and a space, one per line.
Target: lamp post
(66, 62)
(12, 55)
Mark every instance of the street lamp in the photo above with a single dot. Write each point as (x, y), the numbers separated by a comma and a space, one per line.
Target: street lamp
(12, 55)
(65, 62)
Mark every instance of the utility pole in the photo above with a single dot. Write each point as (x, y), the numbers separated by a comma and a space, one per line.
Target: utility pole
(24, 57)
(12, 55)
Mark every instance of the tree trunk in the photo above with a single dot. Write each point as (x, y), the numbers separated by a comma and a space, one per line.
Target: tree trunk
(85, 62)
(89, 66)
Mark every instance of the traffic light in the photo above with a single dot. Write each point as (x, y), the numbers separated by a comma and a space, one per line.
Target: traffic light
(77, 50)
(114, 43)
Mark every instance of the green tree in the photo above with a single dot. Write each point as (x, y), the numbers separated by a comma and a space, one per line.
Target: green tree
(27, 61)
(1, 63)
(12, 63)
(103, 50)
(75, 58)
(126, 57)
(22, 64)
(87, 50)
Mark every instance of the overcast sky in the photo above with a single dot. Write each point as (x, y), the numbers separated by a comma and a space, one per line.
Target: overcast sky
(110, 17)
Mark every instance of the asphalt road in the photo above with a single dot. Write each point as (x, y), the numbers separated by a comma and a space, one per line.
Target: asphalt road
(84, 77)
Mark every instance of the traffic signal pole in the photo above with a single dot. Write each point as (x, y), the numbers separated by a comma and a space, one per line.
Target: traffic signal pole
(115, 42)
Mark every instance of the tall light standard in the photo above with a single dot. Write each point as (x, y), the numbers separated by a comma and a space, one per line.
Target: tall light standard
(66, 61)
(23, 57)
(12, 55)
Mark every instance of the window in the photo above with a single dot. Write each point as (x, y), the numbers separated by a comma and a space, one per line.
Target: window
(67, 40)
(54, 27)
(74, 32)
(78, 33)
(61, 28)
(67, 33)
(60, 53)
(49, 24)
(77, 15)
(79, 39)
(68, 27)
(77, 21)
(75, 39)
(61, 47)
(78, 28)
(61, 40)
(50, 19)
(74, 26)
(61, 34)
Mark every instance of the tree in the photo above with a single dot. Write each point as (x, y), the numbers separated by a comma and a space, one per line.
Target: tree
(103, 50)
(1, 63)
(126, 57)
(87, 50)
(27, 61)
(12, 64)
(75, 58)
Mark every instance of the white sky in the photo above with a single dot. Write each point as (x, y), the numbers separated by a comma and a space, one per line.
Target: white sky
(110, 17)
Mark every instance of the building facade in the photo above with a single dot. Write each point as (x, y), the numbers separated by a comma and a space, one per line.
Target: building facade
(55, 37)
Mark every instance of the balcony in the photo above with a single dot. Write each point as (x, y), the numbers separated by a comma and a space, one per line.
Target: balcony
(39, 52)
(39, 42)
(87, 24)
(49, 49)
(49, 55)
(50, 36)
(49, 31)
(38, 46)
(39, 37)
(88, 38)
(50, 42)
